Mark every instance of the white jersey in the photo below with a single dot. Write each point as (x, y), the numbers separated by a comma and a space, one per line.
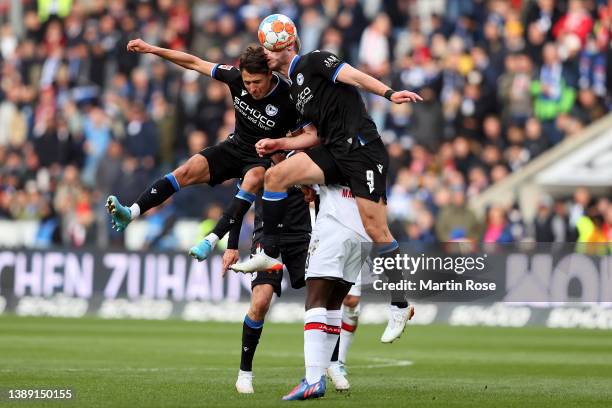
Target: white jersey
(339, 203)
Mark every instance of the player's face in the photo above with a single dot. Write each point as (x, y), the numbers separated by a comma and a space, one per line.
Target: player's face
(277, 59)
(257, 85)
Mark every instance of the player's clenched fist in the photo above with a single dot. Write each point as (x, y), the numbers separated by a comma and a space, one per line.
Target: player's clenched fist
(139, 45)
(267, 146)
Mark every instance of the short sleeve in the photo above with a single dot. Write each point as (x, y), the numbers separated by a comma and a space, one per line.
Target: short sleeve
(326, 64)
(300, 123)
(225, 73)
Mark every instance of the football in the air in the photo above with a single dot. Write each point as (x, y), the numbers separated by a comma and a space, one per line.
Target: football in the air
(276, 32)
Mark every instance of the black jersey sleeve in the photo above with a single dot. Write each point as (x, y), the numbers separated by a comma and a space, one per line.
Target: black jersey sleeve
(299, 122)
(226, 73)
(326, 64)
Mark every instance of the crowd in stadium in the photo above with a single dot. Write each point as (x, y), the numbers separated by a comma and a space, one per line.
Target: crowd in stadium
(502, 81)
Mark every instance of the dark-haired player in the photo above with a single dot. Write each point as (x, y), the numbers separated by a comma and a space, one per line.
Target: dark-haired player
(260, 99)
(324, 90)
(294, 241)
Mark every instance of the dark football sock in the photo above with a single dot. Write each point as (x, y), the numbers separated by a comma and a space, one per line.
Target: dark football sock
(157, 193)
(334, 357)
(274, 208)
(235, 213)
(251, 332)
(394, 275)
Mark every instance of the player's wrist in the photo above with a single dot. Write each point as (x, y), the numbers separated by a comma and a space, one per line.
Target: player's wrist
(282, 143)
(389, 93)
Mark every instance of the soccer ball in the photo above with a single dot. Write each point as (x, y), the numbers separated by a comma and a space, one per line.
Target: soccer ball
(276, 32)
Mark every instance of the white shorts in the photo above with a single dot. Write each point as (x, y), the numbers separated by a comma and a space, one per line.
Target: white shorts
(356, 288)
(334, 251)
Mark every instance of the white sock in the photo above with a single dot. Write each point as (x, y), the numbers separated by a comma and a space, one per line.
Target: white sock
(350, 319)
(135, 211)
(245, 373)
(315, 336)
(334, 318)
(212, 238)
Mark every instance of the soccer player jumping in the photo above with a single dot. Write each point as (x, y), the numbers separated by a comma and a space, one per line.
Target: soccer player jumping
(260, 104)
(294, 242)
(324, 90)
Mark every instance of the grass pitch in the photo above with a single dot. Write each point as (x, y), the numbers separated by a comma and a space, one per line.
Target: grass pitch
(187, 364)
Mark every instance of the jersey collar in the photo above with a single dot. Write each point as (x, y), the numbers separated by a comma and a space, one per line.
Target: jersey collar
(271, 91)
(292, 65)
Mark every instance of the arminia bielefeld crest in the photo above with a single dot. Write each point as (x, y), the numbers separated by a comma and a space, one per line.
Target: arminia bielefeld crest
(271, 110)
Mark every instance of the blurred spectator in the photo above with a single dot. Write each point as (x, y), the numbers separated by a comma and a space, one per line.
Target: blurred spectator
(456, 221)
(576, 23)
(497, 229)
(374, 47)
(13, 126)
(514, 87)
(352, 22)
(142, 136)
(552, 94)
(582, 198)
(427, 128)
(97, 138)
(534, 142)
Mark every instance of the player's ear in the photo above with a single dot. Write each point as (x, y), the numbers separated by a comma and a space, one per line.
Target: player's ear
(297, 45)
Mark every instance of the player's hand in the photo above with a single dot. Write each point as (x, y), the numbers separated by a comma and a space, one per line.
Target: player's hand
(267, 146)
(139, 45)
(309, 193)
(400, 97)
(230, 257)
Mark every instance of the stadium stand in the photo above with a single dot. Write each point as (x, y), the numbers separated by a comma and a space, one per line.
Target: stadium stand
(503, 82)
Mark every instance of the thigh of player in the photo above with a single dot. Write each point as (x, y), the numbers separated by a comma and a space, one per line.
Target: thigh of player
(297, 169)
(365, 168)
(227, 160)
(294, 257)
(329, 252)
(321, 156)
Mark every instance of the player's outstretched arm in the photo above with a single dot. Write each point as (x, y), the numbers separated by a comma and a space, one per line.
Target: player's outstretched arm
(305, 140)
(352, 76)
(177, 57)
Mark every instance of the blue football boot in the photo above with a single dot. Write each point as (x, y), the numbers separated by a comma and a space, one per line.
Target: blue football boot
(305, 391)
(121, 215)
(201, 251)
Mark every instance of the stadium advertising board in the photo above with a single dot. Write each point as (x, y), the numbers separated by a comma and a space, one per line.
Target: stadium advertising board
(557, 287)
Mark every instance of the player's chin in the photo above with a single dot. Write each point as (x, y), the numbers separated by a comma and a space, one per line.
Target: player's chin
(273, 64)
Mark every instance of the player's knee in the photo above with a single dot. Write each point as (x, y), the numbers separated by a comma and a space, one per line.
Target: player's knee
(253, 180)
(274, 179)
(374, 230)
(194, 171)
(351, 301)
(181, 174)
(259, 308)
(185, 175)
